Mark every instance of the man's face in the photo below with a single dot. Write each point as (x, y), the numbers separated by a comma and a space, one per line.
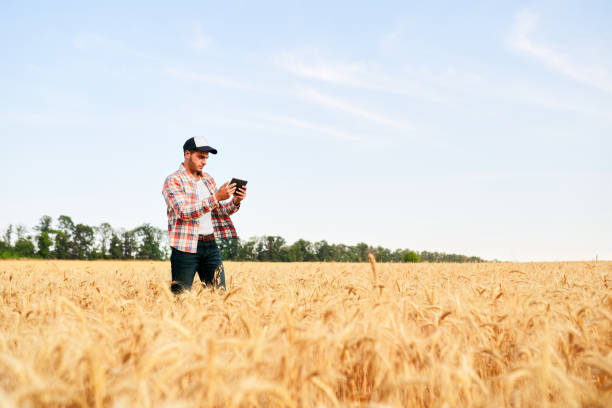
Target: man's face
(196, 160)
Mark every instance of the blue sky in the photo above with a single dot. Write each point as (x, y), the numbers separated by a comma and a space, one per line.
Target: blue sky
(472, 127)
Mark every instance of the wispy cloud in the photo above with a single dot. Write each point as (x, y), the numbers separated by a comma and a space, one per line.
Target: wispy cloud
(314, 126)
(334, 103)
(310, 66)
(450, 87)
(308, 94)
(593, 75)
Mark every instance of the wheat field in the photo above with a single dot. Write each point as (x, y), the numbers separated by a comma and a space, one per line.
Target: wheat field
(110, 334)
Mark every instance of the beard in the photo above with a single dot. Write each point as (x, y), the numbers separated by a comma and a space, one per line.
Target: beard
(194, 167)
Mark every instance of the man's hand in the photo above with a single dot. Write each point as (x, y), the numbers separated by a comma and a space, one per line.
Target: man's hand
(239, 195)
(225, 191)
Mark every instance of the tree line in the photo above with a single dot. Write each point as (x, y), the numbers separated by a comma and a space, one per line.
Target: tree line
(276, 249)
(66, 239)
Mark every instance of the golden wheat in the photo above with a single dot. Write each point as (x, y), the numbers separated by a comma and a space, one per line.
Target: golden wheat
(103, 334)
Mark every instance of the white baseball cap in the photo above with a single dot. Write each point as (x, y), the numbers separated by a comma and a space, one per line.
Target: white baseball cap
(198, 143)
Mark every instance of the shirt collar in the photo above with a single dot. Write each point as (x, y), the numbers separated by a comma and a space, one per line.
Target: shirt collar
(183, 170)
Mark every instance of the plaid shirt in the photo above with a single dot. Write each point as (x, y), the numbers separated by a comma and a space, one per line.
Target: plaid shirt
(185, 210)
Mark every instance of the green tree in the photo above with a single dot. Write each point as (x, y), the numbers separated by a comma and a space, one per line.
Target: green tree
(65, 224)
(396, 256)
(150, 239)
(410, 256)
(83, 241)
(230, 249)
(129, 245)
(115, 247)
(383, 254)
(342, 253)
(269, 248)
(105, 233)
(44, 242)
(64, 245)
(44, 224)
(7, 237)
(360, 252)
(427, 256)
(6, 248)
(22, 232)
(301, 251)
(24, 247)
(43, 239)
(248, 250)
(324, 251)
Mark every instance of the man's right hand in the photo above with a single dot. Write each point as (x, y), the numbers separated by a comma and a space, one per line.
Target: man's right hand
(225, 191)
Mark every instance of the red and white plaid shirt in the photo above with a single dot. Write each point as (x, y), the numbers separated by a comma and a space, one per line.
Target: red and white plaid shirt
(185, 210)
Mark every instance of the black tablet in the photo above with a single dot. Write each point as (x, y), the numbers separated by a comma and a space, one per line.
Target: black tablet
(239, 184)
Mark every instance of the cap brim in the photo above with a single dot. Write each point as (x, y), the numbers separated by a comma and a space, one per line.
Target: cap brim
(207, 149)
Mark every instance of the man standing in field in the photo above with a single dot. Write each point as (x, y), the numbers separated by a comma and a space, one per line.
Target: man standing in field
(197, 216)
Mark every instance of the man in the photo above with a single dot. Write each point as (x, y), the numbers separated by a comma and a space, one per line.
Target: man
(197, 216)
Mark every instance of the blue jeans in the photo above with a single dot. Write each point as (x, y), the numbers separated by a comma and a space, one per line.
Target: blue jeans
(206, 262)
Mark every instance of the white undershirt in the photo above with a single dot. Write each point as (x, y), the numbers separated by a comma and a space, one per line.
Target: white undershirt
(206, 226)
